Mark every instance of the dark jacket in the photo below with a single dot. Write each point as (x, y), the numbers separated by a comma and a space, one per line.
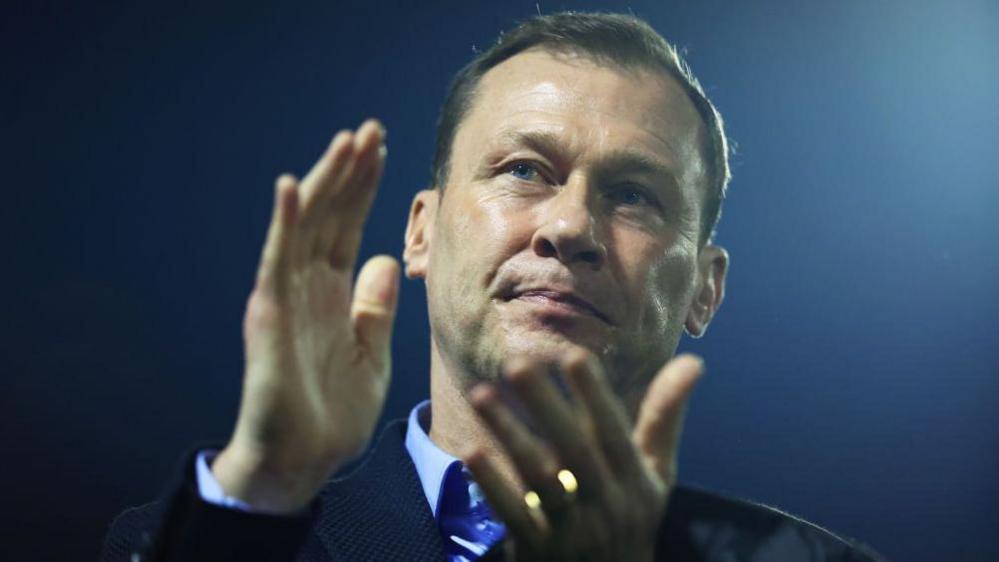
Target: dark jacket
(380, 513)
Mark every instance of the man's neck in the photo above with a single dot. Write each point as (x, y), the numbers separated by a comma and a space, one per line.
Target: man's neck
(455, 427)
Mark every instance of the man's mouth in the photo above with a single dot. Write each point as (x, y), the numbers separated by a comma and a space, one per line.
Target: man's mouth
(566, 301)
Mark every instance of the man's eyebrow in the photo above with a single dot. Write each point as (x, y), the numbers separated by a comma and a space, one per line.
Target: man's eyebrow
(624, 160)
(543, 142)
(630, 161)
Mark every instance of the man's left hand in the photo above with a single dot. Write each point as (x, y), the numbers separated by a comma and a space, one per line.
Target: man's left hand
(596, 487)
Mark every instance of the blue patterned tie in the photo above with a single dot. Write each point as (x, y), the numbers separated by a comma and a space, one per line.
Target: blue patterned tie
(465, 520)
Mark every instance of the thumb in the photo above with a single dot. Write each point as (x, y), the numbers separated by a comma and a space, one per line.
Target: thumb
(660, 417)
(372, 311)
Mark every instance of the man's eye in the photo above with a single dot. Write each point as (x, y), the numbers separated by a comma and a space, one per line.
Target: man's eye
(523, 171)
(630, 196)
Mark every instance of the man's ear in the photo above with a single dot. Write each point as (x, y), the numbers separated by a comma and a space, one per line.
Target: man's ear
(419, 229)
(712, 267)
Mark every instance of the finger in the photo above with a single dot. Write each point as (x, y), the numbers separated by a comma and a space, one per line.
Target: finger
(322, 178)
(332, 174)
(272, 272)
(523, 525)
(536, 465)
(325, 177)
(607, 415)
(373, 308)
(660, 417)
(341, 239)
(556, 419)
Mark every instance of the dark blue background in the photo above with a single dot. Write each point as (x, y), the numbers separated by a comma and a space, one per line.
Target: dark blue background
(852, 372)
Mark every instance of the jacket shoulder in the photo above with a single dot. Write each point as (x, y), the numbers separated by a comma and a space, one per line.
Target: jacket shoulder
(704, 525)
(130, 533)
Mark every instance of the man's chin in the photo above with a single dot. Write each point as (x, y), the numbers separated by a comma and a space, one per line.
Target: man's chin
(549, 347)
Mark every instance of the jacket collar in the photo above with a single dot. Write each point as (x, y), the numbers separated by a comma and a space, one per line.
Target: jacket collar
(379, 510)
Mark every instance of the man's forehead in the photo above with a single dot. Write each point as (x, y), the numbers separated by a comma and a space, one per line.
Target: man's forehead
(536, 89)
(542, 76)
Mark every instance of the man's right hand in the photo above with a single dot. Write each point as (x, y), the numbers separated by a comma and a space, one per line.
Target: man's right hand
(318, 356)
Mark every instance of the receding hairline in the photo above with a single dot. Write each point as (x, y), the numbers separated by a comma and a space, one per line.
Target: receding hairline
(620, 41)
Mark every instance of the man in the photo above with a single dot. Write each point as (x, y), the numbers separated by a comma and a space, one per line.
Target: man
(565, 245)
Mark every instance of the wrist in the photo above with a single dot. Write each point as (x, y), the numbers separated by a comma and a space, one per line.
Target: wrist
(248, 478)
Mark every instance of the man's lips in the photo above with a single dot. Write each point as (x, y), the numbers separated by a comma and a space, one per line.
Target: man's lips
(562, 299)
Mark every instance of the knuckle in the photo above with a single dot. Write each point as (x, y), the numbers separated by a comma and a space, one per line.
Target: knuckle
(262, 308)
(365, 309)
(518, 371)
(577, 363)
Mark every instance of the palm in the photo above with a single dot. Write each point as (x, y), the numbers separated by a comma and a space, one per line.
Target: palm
(308, 345)
(317, 346)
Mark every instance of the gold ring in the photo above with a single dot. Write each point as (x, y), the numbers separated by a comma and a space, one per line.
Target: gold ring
(568, 481)
(569, 485)
(532, 499)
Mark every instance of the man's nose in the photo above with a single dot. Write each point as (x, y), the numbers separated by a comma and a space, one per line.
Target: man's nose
(568, 228)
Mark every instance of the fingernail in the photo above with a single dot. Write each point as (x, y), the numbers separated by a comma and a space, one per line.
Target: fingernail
(516, 367)
(696, 363)
(480, 394)
(385, 286)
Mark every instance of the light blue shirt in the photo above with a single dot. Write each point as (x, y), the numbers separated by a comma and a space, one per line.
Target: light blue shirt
(431, 463)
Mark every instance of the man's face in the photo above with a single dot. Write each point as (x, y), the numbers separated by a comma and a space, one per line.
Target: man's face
(570, 218)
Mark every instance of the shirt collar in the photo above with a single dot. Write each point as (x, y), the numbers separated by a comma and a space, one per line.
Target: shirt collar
(431, 462)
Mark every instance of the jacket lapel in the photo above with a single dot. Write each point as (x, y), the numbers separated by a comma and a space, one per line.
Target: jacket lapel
(379, 511)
